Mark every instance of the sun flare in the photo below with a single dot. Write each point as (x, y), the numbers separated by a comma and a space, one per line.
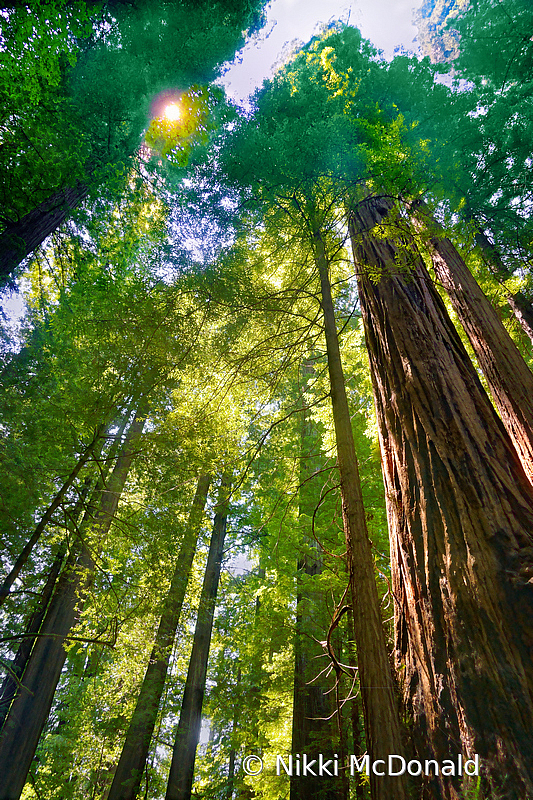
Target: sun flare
(173, 112)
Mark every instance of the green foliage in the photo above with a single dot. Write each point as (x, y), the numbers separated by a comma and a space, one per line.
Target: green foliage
(80, 80)
(218, 341)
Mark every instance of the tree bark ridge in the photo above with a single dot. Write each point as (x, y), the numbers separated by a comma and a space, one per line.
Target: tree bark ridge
(509, 378)
(380, 709)
(460, 513)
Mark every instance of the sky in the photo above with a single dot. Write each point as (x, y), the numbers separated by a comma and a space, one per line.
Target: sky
(387, 23)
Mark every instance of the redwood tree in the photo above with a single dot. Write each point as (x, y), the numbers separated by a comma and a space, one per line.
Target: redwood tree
(30, 708)
(87, 121)
(509, 378)
(460, 513)
(128, 775)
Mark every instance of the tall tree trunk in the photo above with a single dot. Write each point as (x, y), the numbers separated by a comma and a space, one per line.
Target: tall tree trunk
(355, 717)
(30, 709)
(523, 311)
(237, 710)
(256, 680)
(21, 238)
(48, 514)
(381, 717)
(520, 305)
(188, 733)
(312, 728)
(11, 681)
(18, 665)
(508, 376)
(128, 775)
(460, 511)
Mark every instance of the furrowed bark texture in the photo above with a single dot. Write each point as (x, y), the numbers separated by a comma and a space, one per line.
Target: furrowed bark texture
(380, 711)
(128, 775)
(460, 511)
(509, 378)
(181, 775)
(30, 709)
(312, 727)
(20, 238)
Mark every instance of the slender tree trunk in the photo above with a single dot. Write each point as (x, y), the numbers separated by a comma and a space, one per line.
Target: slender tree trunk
(382, 725)
(254, 692)
(12, 680)
(18, 665)
(312, 727)
(460, 512)
(21, 238)
(520, 305)
(188, 733)
(355, 717)
(30, 709)
(508, 376)
(10, 683)
(234, 728)
(128, 775)
(47, 516)
(523, 311)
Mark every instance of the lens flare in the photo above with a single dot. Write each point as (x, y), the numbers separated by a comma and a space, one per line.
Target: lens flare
(172, 112)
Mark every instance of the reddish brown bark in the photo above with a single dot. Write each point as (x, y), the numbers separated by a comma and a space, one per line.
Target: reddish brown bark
(460, 513)
(509, 378)
(523, 312)
(520, 305)
(380, 708)
(20, 238)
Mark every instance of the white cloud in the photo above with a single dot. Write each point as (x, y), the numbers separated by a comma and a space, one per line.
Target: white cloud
(387, 23)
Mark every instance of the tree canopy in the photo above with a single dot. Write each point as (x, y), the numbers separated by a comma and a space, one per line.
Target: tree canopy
(266, 434)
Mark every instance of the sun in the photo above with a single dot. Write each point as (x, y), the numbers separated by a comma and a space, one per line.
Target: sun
(173, 112)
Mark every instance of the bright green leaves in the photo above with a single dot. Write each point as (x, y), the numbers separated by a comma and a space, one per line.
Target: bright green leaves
(301, 132)
(38, 42)
(184, 123)
(77, 80)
